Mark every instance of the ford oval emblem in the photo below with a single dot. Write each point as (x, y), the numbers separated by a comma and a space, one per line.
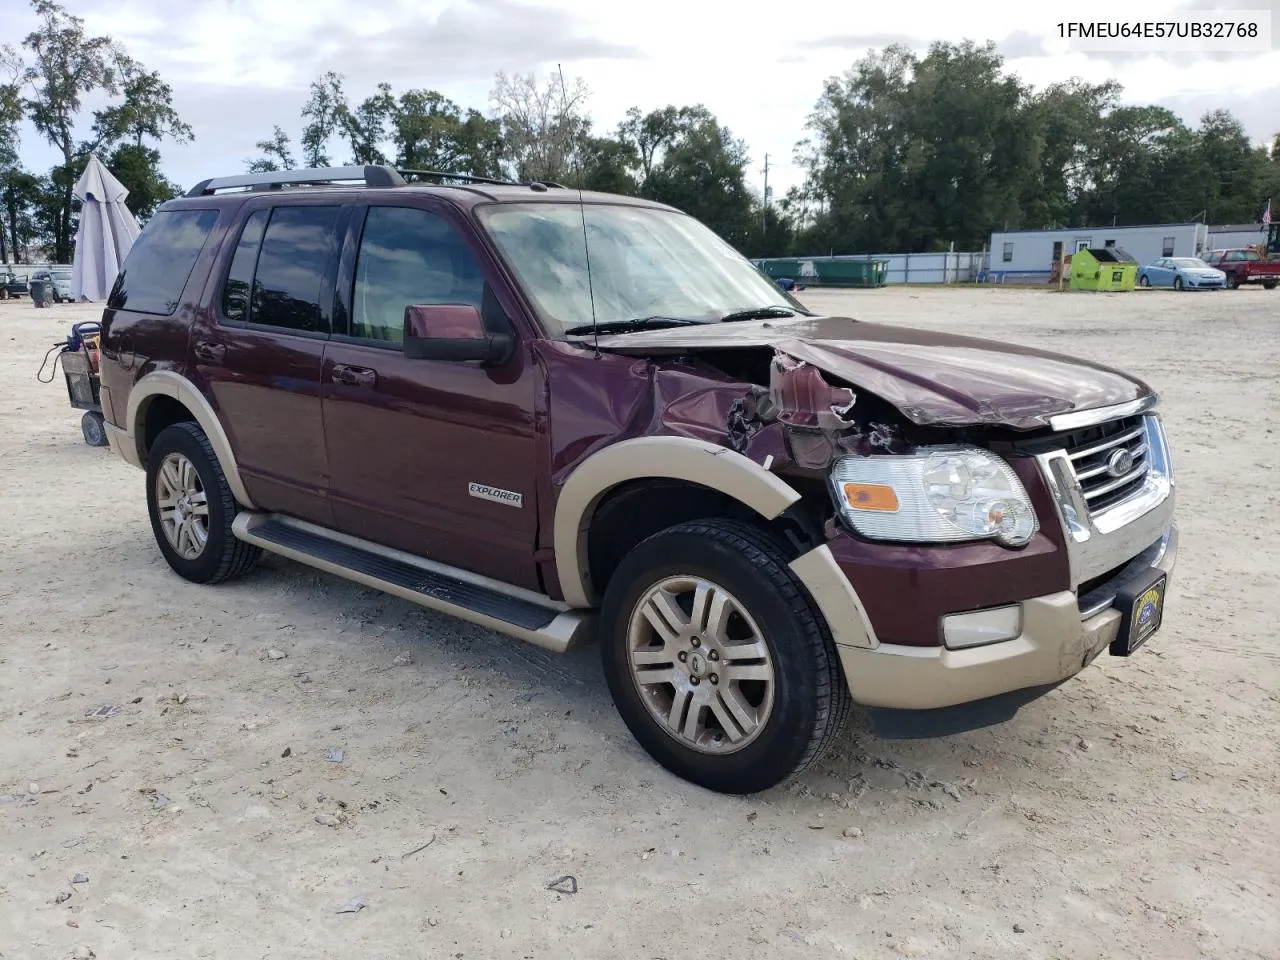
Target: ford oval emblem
(1119, 463)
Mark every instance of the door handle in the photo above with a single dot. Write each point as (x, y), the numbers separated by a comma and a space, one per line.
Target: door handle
(353, 376)
(209, 352)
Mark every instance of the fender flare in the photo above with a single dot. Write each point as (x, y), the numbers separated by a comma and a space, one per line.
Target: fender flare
(668, 458)
(166, 383)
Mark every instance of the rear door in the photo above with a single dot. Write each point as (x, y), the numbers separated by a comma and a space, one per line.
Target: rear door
(259, 347)
(432, 457)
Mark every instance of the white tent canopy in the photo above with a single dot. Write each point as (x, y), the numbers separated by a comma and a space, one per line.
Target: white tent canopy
(107, 231)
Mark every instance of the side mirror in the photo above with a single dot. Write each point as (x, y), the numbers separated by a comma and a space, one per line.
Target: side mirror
(451, 331)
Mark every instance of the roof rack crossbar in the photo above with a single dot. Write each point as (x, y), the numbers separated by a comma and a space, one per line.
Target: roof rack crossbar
(371, 176)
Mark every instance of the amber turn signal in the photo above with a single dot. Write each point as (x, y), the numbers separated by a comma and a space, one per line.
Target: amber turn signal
(871, 496)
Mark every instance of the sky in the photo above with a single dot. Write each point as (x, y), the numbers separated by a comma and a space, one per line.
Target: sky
(239, 66)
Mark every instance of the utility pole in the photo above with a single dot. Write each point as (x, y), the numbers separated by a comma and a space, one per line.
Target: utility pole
(764, 220)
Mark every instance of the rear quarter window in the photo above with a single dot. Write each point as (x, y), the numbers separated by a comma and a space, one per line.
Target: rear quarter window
(161, 260)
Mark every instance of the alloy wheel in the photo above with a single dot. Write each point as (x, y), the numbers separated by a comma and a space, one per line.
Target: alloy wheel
(701, 664)
(183, 506)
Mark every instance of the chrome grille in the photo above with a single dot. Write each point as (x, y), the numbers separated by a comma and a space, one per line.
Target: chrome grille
(1110, 460)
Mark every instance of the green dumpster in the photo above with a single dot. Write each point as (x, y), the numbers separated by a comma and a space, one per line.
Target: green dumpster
(828, 272)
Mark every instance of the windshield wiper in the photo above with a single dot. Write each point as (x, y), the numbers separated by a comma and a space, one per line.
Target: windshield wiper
(639, 323)
(759, 313)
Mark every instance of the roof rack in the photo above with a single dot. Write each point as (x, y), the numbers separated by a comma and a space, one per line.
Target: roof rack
(371, 176)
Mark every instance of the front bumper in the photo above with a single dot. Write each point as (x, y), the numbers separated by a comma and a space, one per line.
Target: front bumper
(1061, 632)
(1055, 643)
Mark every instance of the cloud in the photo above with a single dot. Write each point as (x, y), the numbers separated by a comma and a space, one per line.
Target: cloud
(1022, 43)
(863, 41)
(407, 42)
(1257, 112)
(470, 41)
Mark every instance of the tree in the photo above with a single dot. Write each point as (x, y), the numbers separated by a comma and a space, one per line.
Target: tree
(138, 168)
(856, 152)
(20, 195)
(69, 65)
(703, 172)
(323, 113)
(1066, 126)
(146, 111)
(542, 124)
(606, 165)
(1234, 167)
(277, 154)
(432, 133)
(10, 116)
(365, 128)
(648, 134)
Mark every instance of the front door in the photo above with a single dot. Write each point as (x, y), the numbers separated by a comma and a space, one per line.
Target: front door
(260, 347)
(431, 457)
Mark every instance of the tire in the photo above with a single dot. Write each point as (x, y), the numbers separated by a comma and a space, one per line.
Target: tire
(1178, 284)
(222, 556)
(1268, 284)
(1233, 282)
(805, 702)
(95, 434)
(1144, 281)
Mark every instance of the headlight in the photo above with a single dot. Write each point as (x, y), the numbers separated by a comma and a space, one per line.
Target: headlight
(935, 495)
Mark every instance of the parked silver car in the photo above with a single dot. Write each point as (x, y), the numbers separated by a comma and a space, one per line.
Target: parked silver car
(1181, 273)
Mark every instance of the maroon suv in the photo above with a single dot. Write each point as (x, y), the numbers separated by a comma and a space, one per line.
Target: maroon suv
(567, 416)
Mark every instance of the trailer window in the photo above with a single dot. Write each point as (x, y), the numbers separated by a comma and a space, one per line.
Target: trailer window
(1007, 255)
(1167, 245)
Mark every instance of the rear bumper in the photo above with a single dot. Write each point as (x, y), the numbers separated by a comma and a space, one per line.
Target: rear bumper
(122, 444)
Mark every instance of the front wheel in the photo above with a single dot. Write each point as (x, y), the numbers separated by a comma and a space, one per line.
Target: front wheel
(192, 508)
(1177, 283)
(1268, 284)
(716, 659)
(1233, 282)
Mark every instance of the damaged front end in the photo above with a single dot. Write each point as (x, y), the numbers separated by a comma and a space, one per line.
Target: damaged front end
(813, 421)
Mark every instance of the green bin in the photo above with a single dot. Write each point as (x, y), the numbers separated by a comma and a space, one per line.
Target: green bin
(826, 272)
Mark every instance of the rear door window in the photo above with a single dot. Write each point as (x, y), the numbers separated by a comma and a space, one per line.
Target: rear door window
(296, 254)
(160, 262)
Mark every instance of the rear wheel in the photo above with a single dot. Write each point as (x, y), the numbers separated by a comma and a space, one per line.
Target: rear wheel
(192, 508)
(716, 659)
(1144, 281)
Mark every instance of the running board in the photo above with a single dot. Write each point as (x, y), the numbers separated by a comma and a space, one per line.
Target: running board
(468, 596)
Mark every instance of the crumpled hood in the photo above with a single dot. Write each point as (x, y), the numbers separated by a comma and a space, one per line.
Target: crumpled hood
(934, 379)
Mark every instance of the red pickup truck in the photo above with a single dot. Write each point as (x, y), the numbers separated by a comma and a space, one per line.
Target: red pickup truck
(1245, 266)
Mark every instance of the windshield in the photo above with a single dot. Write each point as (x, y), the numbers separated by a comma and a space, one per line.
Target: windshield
(644, 263)
(62, 274)
(1190, 263)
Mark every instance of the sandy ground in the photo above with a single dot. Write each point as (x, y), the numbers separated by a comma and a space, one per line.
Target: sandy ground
(1132, 813)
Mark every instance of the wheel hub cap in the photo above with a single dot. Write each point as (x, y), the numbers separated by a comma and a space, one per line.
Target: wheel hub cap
(701, 664)
(182, 505)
